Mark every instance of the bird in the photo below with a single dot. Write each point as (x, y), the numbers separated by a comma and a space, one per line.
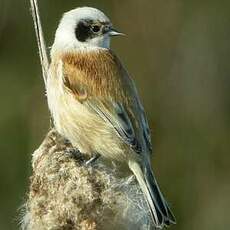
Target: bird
(95, 105)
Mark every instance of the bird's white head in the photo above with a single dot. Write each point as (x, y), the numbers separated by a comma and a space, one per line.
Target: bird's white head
(83, 28)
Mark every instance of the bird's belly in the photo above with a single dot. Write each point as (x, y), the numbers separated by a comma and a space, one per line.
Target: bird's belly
(86, 130)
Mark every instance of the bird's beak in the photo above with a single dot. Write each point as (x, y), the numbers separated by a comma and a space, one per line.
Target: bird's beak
(113, 32)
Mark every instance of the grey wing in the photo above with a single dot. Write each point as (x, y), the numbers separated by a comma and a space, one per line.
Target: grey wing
(145, 129)
(117, 115)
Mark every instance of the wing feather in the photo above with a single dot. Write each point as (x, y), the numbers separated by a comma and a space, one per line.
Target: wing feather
(100, 82)
(120, 121)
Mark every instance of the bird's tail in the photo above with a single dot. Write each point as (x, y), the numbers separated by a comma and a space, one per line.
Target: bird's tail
(159, 209)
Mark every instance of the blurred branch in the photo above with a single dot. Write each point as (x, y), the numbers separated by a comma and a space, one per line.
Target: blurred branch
(66, 193)
(40, 39)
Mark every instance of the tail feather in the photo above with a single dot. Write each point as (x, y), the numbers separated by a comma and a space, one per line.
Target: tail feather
(159, 209)
(155, 191)
(172, 218)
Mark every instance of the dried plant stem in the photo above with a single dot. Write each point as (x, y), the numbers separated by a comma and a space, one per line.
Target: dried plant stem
(40, 39)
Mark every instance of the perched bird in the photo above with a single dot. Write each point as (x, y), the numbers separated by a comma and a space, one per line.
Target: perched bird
(95, 105)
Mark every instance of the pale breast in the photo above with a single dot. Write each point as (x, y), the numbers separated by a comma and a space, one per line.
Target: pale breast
(80, 125)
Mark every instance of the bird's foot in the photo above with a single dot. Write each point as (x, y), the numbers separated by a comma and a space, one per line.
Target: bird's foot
(75, 154)
(93, 159)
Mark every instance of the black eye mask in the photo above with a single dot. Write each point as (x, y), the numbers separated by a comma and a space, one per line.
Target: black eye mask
(83, 31)
(87, 29)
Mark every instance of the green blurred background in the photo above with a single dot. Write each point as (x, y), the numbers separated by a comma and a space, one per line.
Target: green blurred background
(178, 53)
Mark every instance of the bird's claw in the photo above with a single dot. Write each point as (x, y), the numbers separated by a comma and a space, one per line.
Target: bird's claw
(92, 159)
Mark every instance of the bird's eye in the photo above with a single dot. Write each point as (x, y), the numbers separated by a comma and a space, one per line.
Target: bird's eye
(96, 28)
